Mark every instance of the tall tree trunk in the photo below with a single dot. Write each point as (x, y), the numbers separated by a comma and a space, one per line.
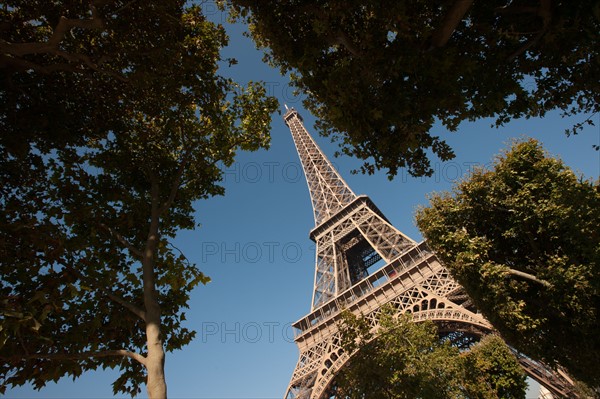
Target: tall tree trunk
(155, 361)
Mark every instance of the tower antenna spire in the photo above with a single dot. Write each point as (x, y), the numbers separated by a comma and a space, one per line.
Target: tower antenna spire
(329, 192)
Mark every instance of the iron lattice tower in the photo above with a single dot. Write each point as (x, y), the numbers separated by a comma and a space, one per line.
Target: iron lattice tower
(352, 236)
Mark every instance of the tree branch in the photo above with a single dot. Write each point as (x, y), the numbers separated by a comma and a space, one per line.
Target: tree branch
(64, 25)
(112, 296)
(176, 183)
(512, 9)
(20, 337)
(11, 50)
(127, 305)
(181, 253)
(530, 277)
(78, 356)
(343, 39)
(545, 12)
(89, 63)
(528, 44)
(455, 14)
(179, 176)
(133, 250)
(24, 65)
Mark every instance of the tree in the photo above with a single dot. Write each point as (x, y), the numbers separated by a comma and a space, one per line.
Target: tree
(405, 359)
(70, 69)
(379, 74)
(490, 370)
(96, 188)
(523, 240)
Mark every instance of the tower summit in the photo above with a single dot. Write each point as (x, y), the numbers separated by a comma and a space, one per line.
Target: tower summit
(352, 238)
(329, 193)
(350, 232)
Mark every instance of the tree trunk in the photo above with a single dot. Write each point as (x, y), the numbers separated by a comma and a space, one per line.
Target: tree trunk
(455, 14)
(155, 361)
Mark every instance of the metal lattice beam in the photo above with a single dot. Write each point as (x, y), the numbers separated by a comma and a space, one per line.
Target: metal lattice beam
(329, 193)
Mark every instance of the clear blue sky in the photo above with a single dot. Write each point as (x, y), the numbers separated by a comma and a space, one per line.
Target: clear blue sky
(254, 244)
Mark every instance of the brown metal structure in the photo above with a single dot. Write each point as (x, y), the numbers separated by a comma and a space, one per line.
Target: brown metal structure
(352, 238)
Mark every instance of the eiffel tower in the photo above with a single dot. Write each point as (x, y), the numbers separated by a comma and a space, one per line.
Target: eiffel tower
(352, 238)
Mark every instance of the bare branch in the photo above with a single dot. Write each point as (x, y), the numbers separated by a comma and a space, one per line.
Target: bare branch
(530, 277)
(133, 250)
(455, 14)
(78, 356)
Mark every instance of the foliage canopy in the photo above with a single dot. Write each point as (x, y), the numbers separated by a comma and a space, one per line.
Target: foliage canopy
(404, 359)
(379, 74)
(523, 240)
(113, 121)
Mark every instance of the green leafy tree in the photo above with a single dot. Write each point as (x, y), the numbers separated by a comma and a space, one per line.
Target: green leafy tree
(379, 74)
(523, 240)
(490, 370)
(95, 188)
(408, 360)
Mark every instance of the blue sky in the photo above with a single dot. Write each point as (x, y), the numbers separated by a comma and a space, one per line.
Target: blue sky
(254, 244)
